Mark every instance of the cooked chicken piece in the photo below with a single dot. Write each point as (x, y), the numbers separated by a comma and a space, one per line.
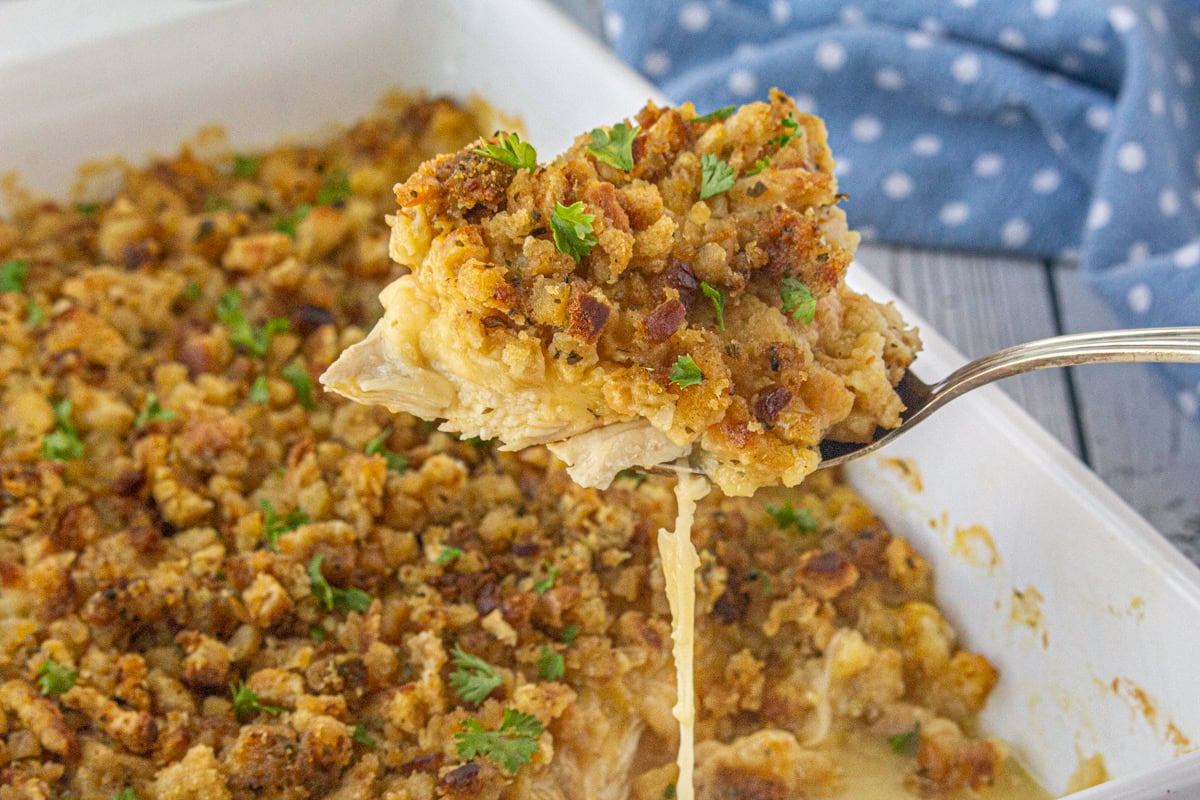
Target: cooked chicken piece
(628, 304)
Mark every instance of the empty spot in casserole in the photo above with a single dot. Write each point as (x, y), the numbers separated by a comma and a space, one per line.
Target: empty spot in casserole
(974, 545)
(1089, 772)
(1026, 611)
(906, 468)
(1145, 706)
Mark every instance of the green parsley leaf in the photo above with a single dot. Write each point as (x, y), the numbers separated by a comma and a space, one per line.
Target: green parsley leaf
(298, 377)
(759, 165)
(245, 701)
(572, 230)
(685, 372)
(332, 596)
(12, 275)
(336, 189)
(214, 203)
(33, 314)
(510, 150)
(246, 166)
(152, 411)
(906, 744)
(474, 679)
(788, 516)
(395, 461)
(192, 290)
(316, 633)
(720, 113)
(756, 573)
(288, 224)
(54, 678)
(798, 300)
(275, 524)
(569, 633)
(87, 208)
(718, 301)
(478, 442)
(546, 583)
(669, 792)
(715, 176)
(125, 794)
(256, 341)
(792, 125)
(614, 147)
(512, 745)
(638, 478)
(361, 736)
(258, 391)
(550, 665)
(447, 555)
(63, 443)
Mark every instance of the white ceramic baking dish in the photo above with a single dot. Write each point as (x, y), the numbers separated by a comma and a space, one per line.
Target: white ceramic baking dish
(1091, 616)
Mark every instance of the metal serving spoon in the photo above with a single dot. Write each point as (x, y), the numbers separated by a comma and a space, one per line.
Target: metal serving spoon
(1164, 345)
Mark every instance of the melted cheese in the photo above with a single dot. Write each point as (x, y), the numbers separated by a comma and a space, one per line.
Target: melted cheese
(680, 561)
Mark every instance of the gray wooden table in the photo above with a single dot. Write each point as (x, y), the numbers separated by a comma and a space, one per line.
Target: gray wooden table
(1117, 419)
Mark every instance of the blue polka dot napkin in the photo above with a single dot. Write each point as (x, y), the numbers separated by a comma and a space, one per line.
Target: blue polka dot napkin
(1042, 127)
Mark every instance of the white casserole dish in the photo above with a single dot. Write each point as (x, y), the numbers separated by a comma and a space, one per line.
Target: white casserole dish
(1103, 662)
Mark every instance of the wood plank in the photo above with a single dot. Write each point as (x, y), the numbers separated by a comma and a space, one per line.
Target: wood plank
(983, 304)
(1138, 440)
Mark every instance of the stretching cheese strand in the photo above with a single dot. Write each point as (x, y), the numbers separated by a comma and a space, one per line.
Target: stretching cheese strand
(680, 561)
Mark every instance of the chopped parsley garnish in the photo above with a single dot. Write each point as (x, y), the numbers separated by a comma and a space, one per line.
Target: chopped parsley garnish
(550, 665)
(332, 596)
(54, 678)
(474, 679)
(510, 150)
(759, 165)
(246, 166)
(33, 314)
(546, 583)
(477, 441)
(192, 291)
(214, 203)
(259, 392)
(12, 275)
(125, 794)
(718, 301)
(638, 478)
(792, 125)
(906, 744)
(669, 792)
(569, 633)
(447, 555)
(361, 736)
(336, 189)
(572, 230)
(798, 300)
(63, 443)
(276, 524)
(288, 224)
(152, 411)
(512, 745)
(755, 574)
(87, 208)
(297, 376)
(256, 341)
(715, 176)
(788, 516)
(245, 701)
(317, 634)
(686, 373)
(614, 147)
(720, 113)
(395, 461)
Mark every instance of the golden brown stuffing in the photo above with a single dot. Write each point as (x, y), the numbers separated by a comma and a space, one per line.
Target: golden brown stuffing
(217, 581)
(505, 335)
